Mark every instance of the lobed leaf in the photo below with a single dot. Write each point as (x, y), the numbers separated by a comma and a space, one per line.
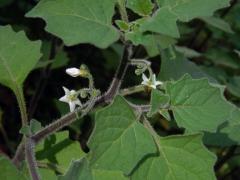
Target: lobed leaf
(198, 105)
(180, 158)
(90, 21)
(119, 141)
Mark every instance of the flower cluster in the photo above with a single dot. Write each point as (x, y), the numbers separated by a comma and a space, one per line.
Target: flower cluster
(71, 96)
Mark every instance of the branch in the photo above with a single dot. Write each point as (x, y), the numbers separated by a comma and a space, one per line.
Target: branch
(106, 98)
(119, 75)
(71, 117)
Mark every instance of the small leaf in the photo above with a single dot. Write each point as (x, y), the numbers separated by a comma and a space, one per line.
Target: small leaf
(158, 101)
(123, 26)
(35, 126)
(119, 141)
(90, 21)
(141, 7)
(198, 105)
(25, 130)
(180, 158)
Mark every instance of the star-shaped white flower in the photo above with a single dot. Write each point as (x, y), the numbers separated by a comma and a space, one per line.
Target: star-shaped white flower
(74, 72)
(151, 82)
(71, 97)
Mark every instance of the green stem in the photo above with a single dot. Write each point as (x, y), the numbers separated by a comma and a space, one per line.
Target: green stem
(22, 105)
(132, 90)
(122, 10)
(29, 144)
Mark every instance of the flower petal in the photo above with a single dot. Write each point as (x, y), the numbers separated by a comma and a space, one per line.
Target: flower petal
(144, 77)
(74, 72)
(72, 106)
(64, 99)
(65, 90)
(78, 102)
(158, 83)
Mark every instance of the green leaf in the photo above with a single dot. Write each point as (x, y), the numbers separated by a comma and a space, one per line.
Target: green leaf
(175, 68)
(47, 174)
(16, 61)
(9, 171)
(119, 141)
(35, 126)
(223, 57)
(187, 52)
(59, 149)
(180, 158)
(164, 20)
(228, 132)
(189, 9)
(90, 21)
(198, 105)
(158, 101)
(141, 7)
(217, 23)
(80, 169)
(122, 25)
(233, 86)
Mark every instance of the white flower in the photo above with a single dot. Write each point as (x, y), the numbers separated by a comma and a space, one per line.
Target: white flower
(70, 97)
(151, 82)
(74, 72)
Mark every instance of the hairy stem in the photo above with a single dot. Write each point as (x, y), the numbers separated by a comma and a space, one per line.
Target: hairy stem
(132, 90)
(31, 159)
(29, 147)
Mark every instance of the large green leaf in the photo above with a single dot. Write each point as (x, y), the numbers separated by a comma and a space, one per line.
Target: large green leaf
(60, 150)
(198, 105)
(188, 9)
(173, 68)
(159, 101)
(81, 170)
(119, 141)
(8, 171)
(141, 7)
(233, 86)
(79, 21)
(18, 56)
(164, 20)
(217, 23)
(180, 158)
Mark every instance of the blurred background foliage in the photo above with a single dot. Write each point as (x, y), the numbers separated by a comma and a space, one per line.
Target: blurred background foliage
(208, 47)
